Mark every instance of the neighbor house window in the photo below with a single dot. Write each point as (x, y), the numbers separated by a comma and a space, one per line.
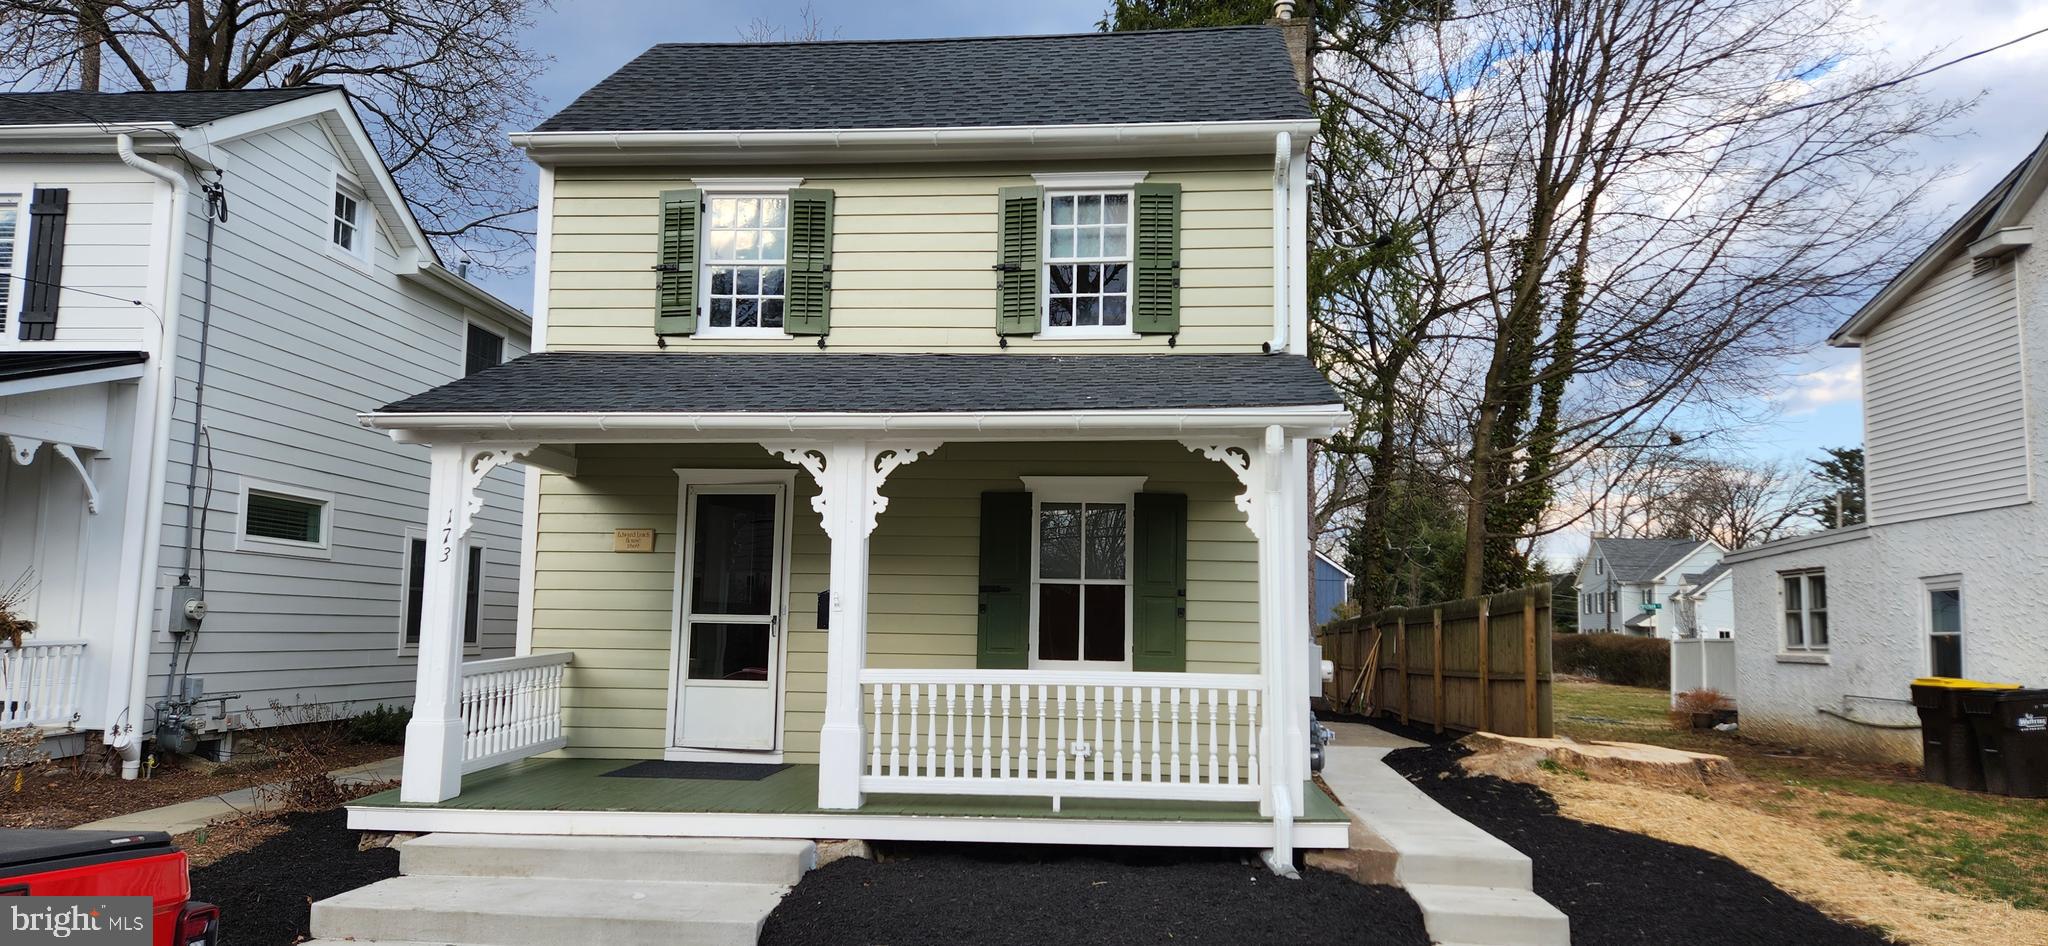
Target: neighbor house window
(416, 589)
(1649, 598)
(1081, 571)
(1088, 263)
(745, 264)
(348, 221)
(1613, 602)
(1806, 610)
(284, 519)
(10, 226)
(1945, 627)
(482, 349)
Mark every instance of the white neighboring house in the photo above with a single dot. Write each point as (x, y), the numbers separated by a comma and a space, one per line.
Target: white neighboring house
(1626, 586)
(1704, 605)
(306, 295)
(1833, 627)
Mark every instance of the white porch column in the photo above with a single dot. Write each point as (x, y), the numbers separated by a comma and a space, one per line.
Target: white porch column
(434, 739)
(849, 474)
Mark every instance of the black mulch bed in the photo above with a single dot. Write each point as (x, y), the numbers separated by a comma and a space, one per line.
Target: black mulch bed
(991, 895)
(266, 893)
(1623, 888)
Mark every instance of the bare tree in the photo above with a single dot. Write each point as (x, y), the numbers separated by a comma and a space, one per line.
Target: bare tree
(1696, 496)
(1622, 214)
(437, 82)
(809, 28)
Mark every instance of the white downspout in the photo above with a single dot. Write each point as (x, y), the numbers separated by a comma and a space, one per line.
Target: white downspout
(137, 609)
(1283, 293)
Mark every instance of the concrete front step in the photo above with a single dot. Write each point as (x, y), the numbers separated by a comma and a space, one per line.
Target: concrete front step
(537, 911)
(774, 861)
(1493, 916)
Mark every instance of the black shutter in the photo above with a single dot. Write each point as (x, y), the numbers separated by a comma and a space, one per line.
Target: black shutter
(45, 272)
(1159, 583)
(1003, 624)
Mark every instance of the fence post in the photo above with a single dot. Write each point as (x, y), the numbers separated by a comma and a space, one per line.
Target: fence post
(1401, 642)
(1485, 659)
(1529, 727)
(1436, 668)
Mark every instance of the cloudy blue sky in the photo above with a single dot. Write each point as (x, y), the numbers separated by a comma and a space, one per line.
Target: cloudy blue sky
(1819, 403)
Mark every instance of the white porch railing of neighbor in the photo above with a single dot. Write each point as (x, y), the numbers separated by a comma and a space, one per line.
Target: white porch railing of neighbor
(39, 683)
(511, 709)
(1169, 736)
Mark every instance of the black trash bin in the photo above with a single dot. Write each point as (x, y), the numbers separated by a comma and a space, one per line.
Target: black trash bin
(2011, 728)
(1948, 745)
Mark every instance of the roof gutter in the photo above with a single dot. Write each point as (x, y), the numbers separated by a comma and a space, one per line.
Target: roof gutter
(462, 290)
(1320, 420)
(537, 142)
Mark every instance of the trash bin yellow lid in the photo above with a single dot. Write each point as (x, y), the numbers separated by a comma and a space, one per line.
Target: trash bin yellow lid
(1958, 683)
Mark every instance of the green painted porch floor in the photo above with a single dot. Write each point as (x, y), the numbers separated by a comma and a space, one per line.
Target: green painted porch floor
(579, 785)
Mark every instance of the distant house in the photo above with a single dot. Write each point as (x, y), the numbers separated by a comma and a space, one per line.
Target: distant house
(1333, 587)
(1626, 586)
(1831, 628)
(199, 291)
(1705, 604)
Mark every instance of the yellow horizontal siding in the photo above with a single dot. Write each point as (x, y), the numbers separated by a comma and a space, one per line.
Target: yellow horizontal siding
(615, 610)
(911, 255)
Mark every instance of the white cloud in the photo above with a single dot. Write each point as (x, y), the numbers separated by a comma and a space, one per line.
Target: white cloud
(1817, 389)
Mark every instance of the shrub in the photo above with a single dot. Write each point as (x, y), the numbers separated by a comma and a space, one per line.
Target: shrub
(1692, 703)
(384, 726)
(1613, 658)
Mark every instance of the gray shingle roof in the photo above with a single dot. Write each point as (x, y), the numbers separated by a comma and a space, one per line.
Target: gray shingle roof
(623, 382)
(1697, 579)
(183, 109)
(23, 365)
(1228, 74)
(1643, 559)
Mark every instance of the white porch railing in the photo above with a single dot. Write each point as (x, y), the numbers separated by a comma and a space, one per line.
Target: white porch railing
(39, 683)
(1169, 736)
(511, 709)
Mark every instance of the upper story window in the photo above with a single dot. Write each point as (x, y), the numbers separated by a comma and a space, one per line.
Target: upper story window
(746, 264)
(1088, 262)
(482, 349)
(10, 226)
(350, 229)
(1805, 601)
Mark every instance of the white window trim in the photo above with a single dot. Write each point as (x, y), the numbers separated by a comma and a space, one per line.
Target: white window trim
(1089, 180)
(10, 311)
(413, 534)
(359, 255)
(1045, 261)
(740, 187)
(244, 542)
(1928, 586)
(1086, 489)
(1806, 646)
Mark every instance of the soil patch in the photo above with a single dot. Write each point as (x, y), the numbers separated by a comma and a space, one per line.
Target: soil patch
(266, 893)
(1623, 888)
(945, 895)
(60, 795)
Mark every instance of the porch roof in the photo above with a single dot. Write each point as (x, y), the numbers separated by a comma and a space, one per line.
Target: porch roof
(608, 390)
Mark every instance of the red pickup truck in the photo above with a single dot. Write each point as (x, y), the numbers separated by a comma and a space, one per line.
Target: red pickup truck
(59, 863)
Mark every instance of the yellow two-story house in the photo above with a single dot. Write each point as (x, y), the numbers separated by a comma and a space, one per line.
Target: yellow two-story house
(917, 436)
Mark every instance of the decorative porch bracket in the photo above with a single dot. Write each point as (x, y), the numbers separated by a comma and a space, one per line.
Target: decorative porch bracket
(23, 450)
(849, 474)
(434, 738)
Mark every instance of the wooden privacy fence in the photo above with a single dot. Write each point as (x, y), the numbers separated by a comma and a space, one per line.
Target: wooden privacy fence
(1475, 664)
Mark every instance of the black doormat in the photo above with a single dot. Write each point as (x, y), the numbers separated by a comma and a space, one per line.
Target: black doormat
(708, 771)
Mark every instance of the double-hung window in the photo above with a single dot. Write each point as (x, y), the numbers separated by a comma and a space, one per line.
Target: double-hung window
(349, 227)
(1805, 600)
(1088, 262)
(416, 589)
(746, 264)
(10, 241)
(1945, 626)
(1081, 574)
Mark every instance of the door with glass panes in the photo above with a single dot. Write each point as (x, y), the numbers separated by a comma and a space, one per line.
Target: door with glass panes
(729, 629)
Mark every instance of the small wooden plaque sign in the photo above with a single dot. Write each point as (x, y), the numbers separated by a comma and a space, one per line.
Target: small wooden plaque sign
(632, 540)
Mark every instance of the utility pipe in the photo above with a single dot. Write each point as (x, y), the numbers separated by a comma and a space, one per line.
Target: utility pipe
(137, 610)
(1283, 289)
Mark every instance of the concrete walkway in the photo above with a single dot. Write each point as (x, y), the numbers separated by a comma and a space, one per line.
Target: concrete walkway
(1474, 890)
(192, 815)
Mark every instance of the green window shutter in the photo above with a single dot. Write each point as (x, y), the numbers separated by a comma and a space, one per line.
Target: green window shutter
(1159, 583)
(1155, 296)
(675, 305)
(808, 309)
(1003, 627)
(1017, 259)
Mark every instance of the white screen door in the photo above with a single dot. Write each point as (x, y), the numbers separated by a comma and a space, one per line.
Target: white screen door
(731, 640)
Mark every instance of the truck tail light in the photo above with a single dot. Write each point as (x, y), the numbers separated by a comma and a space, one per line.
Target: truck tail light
(199, 925)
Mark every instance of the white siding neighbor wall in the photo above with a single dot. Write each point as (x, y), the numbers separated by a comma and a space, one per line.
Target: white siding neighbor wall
(302, 340)
(107, 248)
(1944, 405)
